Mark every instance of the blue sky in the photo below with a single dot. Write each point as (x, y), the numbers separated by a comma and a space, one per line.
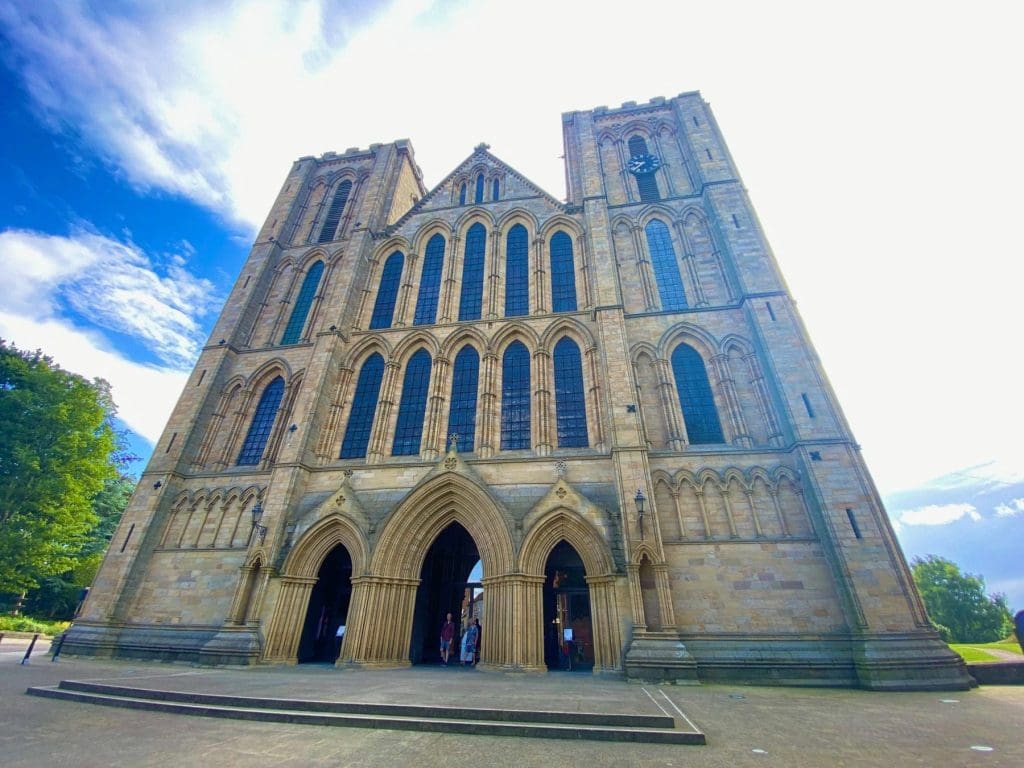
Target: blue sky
(142, 143)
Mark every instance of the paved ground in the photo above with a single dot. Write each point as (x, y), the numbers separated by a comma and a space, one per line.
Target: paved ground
(745, 726)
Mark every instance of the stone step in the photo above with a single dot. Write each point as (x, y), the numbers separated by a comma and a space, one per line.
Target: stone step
(493, 722)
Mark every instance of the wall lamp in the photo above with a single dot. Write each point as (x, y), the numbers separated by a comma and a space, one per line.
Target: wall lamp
(639, 499)
(257, 513)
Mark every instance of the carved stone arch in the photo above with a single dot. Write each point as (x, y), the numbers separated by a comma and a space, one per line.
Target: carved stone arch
(514, 331)
(623, 220)
(759, 473)
(412, 343)
(267, 372)
(643, 348)
(606, 136)
(686, 477)
(560, 222)
(642, 550)
(365, 347)
(733, 341)
(562, 524)
(305, 260)
(426, 231)
(308, 553)
(709, 476)
(461, 337)
(637, 128)
(661, 476)
(665, 215)
(517, 216)
(571, 327)
(782, 472)
(411, 528)
(381, 253)
(687, 333)
(472, 215)
(733, 474)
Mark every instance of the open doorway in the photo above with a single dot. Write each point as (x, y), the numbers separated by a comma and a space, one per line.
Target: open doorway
(449, 583)
(568, 632)
(328, 608)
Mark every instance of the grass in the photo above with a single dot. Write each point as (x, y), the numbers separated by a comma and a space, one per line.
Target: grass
(28, 624)
(977, 652)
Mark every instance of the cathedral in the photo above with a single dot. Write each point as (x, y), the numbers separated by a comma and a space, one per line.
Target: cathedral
(597, 427)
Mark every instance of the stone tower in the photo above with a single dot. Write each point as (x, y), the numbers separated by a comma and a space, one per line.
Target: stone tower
(596, 425)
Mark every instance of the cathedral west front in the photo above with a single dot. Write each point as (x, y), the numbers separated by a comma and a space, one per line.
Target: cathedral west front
(597, 426)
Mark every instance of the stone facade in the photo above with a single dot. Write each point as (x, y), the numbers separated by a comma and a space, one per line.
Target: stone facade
(763, 552)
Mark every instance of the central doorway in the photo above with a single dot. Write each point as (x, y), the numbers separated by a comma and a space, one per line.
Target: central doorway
(328, 608)
(568, 632)
(449, 582)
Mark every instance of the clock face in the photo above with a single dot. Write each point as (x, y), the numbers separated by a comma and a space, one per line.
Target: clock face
(641, 164)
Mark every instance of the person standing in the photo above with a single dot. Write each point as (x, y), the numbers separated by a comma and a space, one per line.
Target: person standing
(447, 637)
(469, 644)
(479, 640)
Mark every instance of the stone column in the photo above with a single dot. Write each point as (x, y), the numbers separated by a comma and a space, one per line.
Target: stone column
(727, 386)
(540, 283)
(643, 268)
(285, 630)
(677, 437)
(542, 402)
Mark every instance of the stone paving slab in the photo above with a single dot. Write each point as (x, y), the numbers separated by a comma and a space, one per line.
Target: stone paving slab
(745, 726)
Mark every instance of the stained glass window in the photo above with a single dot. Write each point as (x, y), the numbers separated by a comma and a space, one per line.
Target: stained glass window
(364, 408)
(666, 267)
(479, 196)
(413, 406)
(515, 398)
(462, 415)
(570, 403)
(430, 282)
(297, 321)
(262, 423)
(494, 190)
(473, 274)
(517, 277)
(695, 397)
(563, 274)
(462, 195)
(390, 277)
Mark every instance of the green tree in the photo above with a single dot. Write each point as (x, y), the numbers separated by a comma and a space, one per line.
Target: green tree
(57, 449)
(957, 601)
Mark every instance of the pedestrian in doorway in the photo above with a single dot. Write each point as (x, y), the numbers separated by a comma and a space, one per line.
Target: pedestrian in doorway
(447, 637)
(479, 640)
(469, 645)
(339, 638)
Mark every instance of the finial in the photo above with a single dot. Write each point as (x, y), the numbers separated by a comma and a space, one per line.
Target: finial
(453, 442)
(481, 147)
(560, 468)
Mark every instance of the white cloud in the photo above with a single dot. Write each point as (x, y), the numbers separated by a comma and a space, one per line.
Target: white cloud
(1015, 507)
(116, 287)
(112, 284)
(937, 514)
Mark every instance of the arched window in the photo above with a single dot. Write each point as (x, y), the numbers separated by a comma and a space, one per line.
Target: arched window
(462, 194)
(570, 403)
(473, 274)
(494, 190)
(262, 423)
(479, 196)
(430, 282)
(637, 146)
(515, 397)
(297, 321)
(517, 277)
(462, 416)
(646, 183)
(387, 293)
(333, 217)
(409, 428)
(364, 408)
(699, 412)
(563, 274)
(666, 267)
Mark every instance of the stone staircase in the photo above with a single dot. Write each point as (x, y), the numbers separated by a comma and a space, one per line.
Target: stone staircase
(594, 726)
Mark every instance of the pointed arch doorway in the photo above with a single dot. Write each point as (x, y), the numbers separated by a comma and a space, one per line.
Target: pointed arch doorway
(568, 628)
(328, 608)
(449, 582)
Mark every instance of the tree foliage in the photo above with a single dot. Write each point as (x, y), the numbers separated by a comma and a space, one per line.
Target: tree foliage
(957, 602)
(57, 450)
